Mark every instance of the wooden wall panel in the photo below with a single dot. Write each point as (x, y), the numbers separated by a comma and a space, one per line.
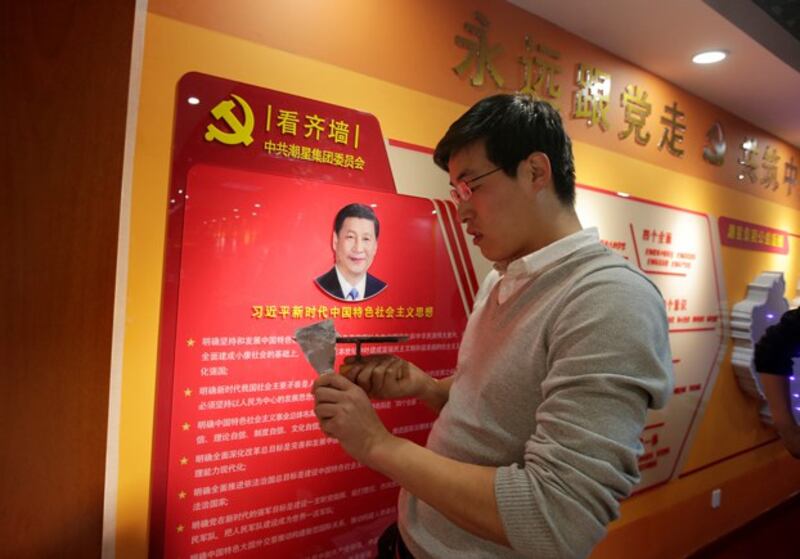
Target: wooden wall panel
(64, 69)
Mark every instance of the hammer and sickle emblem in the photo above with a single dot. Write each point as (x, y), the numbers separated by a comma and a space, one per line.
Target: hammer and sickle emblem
(241, 132)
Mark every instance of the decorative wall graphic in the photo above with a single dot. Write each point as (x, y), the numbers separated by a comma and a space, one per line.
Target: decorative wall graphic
(678, 251)
(714, 150)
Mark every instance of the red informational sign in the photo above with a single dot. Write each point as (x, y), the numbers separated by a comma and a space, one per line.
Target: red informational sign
(241, 468)
(751, 236)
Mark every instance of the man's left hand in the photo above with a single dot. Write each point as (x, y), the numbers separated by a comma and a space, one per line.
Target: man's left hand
(345, 413)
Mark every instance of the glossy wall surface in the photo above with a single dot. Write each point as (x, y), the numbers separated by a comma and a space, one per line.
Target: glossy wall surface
(64, 69)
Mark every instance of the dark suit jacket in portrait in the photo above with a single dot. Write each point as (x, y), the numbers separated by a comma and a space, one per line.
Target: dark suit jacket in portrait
(329, 283)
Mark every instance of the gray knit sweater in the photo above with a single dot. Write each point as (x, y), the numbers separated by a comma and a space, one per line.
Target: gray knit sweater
(552, 387)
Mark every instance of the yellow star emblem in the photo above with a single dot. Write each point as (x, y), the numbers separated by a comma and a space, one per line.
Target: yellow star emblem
(184, 461)
(182, 495)
(190, 342)
(180, 528)
(187, 392)
(186, 426)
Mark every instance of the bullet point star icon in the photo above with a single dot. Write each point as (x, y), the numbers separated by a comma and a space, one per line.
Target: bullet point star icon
(186, 426)
(184, 461)
(179, 529)
(182, 495)
(190, 342)
(187, 392)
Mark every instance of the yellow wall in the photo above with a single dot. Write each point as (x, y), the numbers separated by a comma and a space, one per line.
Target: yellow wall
(732, 449)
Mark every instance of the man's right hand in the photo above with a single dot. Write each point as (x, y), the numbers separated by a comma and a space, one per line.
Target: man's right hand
(387, 376)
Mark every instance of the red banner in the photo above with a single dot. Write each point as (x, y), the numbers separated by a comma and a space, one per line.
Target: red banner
(241, 468)
(751, 236)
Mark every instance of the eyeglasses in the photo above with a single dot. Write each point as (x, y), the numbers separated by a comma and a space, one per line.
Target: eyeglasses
(462, 191)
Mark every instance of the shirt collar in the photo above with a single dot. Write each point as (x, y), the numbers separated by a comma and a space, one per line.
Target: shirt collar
(537, 261)
(514, 274)
(361, 286)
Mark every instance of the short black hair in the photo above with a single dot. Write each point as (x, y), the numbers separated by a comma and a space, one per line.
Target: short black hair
(514, 126)
(356, 210)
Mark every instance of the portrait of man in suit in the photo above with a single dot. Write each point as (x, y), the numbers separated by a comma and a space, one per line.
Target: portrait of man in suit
(355, 242)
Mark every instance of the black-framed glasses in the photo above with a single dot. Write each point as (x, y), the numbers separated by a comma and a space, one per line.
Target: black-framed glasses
(462, 191)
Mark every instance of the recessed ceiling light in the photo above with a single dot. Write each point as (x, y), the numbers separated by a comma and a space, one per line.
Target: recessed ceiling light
(709, 57)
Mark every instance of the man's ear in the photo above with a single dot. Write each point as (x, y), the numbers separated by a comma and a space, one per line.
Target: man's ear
(541, 173)
(334, 242)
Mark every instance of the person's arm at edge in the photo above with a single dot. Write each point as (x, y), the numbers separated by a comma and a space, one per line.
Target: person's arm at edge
(776, 390)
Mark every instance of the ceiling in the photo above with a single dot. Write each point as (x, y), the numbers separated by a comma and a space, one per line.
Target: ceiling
(760, 79)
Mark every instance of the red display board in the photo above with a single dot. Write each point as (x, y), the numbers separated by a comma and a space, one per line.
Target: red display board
(752, 236)
(240, 466)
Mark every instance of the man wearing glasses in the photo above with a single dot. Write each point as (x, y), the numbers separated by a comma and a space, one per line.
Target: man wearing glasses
(566, 348)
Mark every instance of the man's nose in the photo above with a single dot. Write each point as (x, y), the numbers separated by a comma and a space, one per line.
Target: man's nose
(464, 210)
